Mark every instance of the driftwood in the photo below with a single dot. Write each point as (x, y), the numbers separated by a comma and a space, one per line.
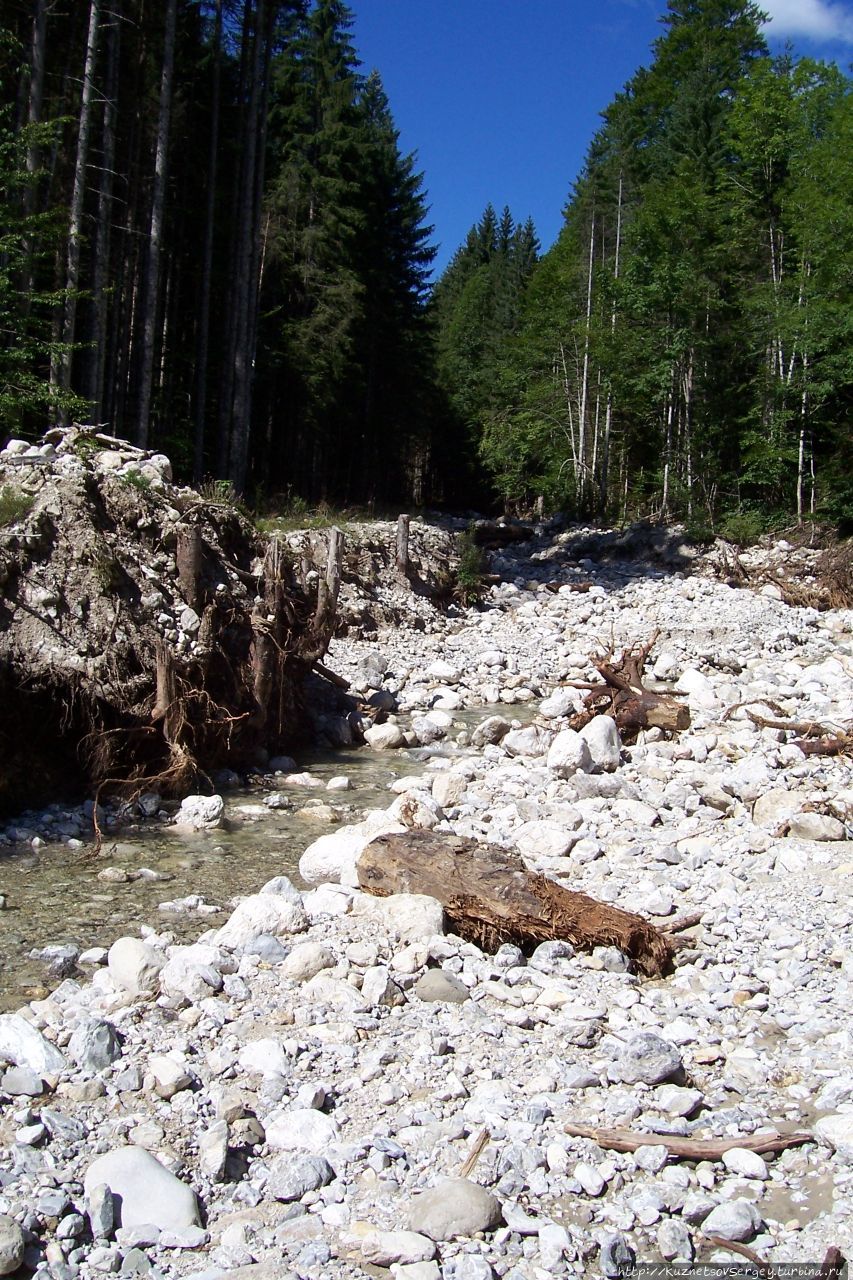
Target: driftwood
(490, 897)
(624, 697)
(826, 746)
(402, 546)
(626, 1140)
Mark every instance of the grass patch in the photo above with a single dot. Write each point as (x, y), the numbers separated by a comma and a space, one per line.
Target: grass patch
(470, 582)
(15, 505)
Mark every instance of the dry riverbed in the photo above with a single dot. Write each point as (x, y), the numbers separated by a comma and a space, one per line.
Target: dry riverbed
(302, 1091)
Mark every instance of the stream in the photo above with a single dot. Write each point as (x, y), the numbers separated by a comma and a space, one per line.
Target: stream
(55, 896)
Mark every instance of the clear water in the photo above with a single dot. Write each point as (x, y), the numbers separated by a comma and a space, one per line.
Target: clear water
(54, 895)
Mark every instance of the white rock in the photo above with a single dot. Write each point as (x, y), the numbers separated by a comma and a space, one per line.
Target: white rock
(143, 1190)
(134, 966)
(192, 973)
(748, 1164)
(266, 1056)
(418, 809)
(25, 1046)
(569, 754)
(413, 917)
(589, 1178)
(305, 960)
(562, 702)
(261, 913)
(531, 741)
(201, 813)
(443, 671)
(605, 746)
(382, 1248)
(384, 737)
(170, 1076)
(333, 857)
(733, 1220)
(837, 1132)
(816, 826)
(303, 1129)
(544, 840)
(699, 690)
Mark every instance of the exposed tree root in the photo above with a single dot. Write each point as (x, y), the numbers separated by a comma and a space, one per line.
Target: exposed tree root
(624, 697)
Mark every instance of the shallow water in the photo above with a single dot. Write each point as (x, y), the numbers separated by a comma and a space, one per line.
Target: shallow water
(55, 896)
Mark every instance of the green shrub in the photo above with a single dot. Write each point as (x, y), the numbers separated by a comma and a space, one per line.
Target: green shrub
(742, 527)
(14, 505)
(470, 583)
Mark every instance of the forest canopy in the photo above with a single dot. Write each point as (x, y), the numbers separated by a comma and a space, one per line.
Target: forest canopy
(214, 245)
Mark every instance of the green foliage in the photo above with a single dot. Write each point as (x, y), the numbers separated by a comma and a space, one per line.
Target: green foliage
(136, 480)
(470, 582)
(742, 527)
(15, 505)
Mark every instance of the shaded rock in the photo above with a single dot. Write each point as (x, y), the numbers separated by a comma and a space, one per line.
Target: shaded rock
(438, 985)
(455, 1207)
(649, 1059)
(291, 1177)
(95, 1045)
(11, 1245)
(733, 1220)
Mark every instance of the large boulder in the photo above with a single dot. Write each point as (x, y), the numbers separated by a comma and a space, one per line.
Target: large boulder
(273, 913)
(334, 857)
(25, 1046)
(569, 754)
(143, 1190)
(605, 746)
(135, 966)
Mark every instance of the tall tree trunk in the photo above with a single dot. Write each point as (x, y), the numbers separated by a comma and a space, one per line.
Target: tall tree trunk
(203, 343)
(36, 94)
(101, 273)
(155, 239)
(248, 265)
(608, 415)
(60, 371)
(585, 378)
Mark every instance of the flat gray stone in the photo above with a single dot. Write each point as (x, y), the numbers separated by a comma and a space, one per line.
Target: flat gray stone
(649, 1059)
(439, 985)
(733, 1220)
(291, 1177)
(455, 1207)
(143, 1190)
(21, 1082)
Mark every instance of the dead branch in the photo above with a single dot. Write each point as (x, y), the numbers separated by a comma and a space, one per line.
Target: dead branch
(626, 1140)
(826, 746)
(474, 1154)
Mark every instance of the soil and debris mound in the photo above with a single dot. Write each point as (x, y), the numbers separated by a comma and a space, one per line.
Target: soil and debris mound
(147, 636)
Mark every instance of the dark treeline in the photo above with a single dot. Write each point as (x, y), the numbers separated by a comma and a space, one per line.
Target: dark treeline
(213, 245)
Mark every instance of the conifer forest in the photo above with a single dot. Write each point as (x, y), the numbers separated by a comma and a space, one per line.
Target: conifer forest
(212, 244)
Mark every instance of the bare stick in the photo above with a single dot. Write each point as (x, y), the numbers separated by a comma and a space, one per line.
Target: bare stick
(475, 1153)
(688, 1148)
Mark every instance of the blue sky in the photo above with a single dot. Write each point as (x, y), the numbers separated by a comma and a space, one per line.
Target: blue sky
(500, 98)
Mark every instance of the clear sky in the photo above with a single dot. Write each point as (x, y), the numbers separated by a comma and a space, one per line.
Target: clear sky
(500, 98)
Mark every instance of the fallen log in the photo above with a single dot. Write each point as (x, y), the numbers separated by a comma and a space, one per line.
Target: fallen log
(626, 1140)
(490, 897)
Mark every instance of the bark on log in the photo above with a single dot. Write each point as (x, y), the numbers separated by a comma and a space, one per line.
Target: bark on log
(403, 545)
(188, 563)
(490, 897)
(626, 1140)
